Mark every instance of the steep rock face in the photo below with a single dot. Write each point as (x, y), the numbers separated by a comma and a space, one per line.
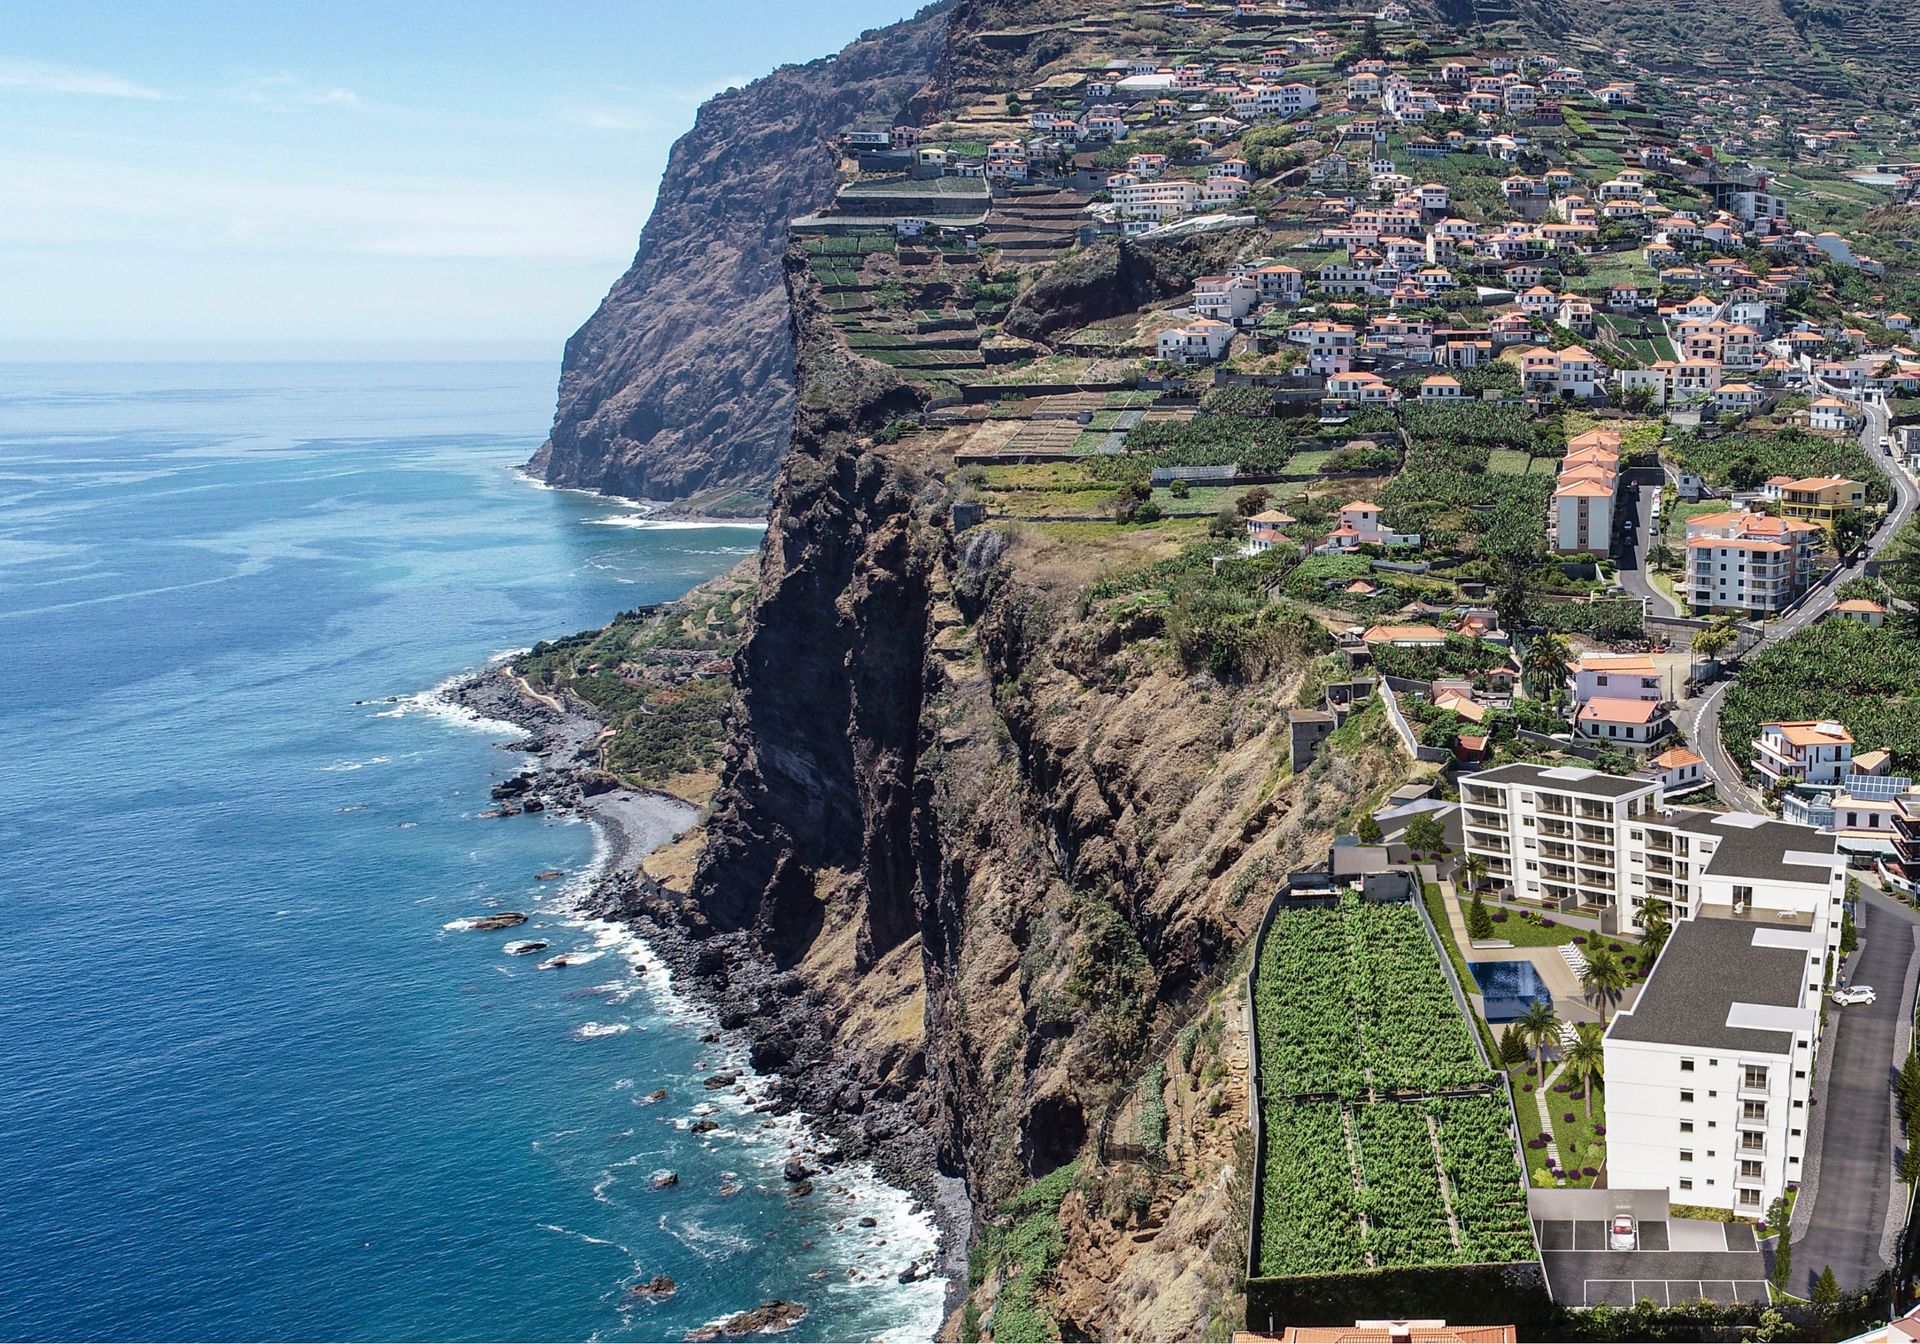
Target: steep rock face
(682, 382)
(975, 853)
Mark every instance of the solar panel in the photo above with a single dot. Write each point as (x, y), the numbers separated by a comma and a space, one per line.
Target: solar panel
(1877, 786)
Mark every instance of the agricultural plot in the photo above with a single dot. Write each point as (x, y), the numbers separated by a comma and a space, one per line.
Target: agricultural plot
(1386, 1142)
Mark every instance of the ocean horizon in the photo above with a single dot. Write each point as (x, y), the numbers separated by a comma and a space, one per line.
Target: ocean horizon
(261, 1081)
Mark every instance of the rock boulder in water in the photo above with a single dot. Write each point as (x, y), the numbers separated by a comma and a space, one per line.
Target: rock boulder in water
(655, 1288)
(506, 919)
(664, 1180)
(525, 947)
(763, 1319)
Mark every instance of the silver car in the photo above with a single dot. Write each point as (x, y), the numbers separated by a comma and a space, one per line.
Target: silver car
(1623, 1235)
(1853, 994)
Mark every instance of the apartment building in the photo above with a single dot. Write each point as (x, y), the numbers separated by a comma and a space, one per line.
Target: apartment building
(1157, 201)
(1585, 493)
(1709, 1075)
(1748, 562)
(1571, 839)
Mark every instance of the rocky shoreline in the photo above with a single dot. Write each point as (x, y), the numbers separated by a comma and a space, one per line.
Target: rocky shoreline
(788, 1039)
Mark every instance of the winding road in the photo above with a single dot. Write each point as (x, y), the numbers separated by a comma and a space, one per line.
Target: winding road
(1700, 718)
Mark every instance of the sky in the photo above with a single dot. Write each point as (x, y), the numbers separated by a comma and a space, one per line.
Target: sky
(206, 179)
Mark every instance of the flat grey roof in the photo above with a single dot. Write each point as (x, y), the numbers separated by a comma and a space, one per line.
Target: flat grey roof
(1708, 966)
(1566, 779)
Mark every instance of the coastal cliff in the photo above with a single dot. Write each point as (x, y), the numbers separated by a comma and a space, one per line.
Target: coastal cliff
(680, 386)
(984, 856)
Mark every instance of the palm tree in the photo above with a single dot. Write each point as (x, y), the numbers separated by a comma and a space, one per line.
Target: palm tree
(1540, 1025)
(1605, 979)
(1473, 871)
(1662, 558)
(1548, 658)
(1587, 1060)
(1655, 928)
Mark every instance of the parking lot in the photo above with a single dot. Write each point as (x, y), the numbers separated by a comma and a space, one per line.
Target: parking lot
(1678, 1260)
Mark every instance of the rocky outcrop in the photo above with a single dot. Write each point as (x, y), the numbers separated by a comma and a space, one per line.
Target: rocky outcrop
(681, 384)
(1113, 278)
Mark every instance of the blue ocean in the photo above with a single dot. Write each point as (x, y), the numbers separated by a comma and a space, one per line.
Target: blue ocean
(256, 1082)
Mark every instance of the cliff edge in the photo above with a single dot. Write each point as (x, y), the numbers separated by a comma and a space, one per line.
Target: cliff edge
(680, 386)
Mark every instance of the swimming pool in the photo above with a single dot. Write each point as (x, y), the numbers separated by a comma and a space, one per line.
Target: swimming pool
(1509, 988)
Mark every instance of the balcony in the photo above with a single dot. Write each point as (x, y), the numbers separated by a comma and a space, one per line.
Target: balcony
(1554, 849)
(1559, 830)
(1554, 807)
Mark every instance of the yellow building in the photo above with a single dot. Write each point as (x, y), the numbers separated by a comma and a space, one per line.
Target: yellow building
(1820, 499)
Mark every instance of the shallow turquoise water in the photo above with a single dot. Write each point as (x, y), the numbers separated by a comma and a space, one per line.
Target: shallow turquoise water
(250, 1084)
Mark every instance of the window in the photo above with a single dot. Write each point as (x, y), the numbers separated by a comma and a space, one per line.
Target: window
(1686, 1066)
(1749, 1199)
(1686, 1097)
(1754, 1077)
(1686, 1154)
(1686, 1126)
(1686, 1182)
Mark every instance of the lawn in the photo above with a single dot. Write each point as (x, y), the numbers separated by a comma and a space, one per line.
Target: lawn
(1530, 930)
(1582, 1141)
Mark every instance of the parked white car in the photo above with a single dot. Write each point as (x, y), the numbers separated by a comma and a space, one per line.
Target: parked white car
(1623, 1235)
(1853, 994)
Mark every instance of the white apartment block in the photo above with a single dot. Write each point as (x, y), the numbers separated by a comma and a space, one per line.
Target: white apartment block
(1575, 840)
(1748, 562)
(1157, 201)
(1709, 1074)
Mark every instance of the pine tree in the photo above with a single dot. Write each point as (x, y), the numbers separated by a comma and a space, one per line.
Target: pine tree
(1368, 831)
(1910, 1165)
(1479, 921)
(1826, 1289)
(1782, 1261)
(1909, 1090)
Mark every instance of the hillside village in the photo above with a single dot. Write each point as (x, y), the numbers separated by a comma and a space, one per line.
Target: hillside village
(1565, 409)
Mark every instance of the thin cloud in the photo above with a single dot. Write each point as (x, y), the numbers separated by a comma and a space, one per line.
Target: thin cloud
(291, 91)
(665, 109)
(37, 77)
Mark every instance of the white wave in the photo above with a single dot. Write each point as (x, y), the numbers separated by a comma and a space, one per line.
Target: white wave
(341, 766)
(565, 959)
(583, 1236)
(593, 1031)
(706, 1242)
(646, 523)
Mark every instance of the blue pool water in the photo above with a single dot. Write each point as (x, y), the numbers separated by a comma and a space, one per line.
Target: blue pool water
(252, 1084)
(1508, 988)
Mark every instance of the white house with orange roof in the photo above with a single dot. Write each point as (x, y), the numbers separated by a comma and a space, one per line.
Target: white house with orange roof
(1440, 387)
(1678, 770)
(1803, 751)
(1616, 676)
(1861, 611)
(1574, 371)
(1200, 341)
(1279, 284)
(1631, 724)
(1365, 387)
(1830, 415)
(1267, 529)
(1361, 524)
